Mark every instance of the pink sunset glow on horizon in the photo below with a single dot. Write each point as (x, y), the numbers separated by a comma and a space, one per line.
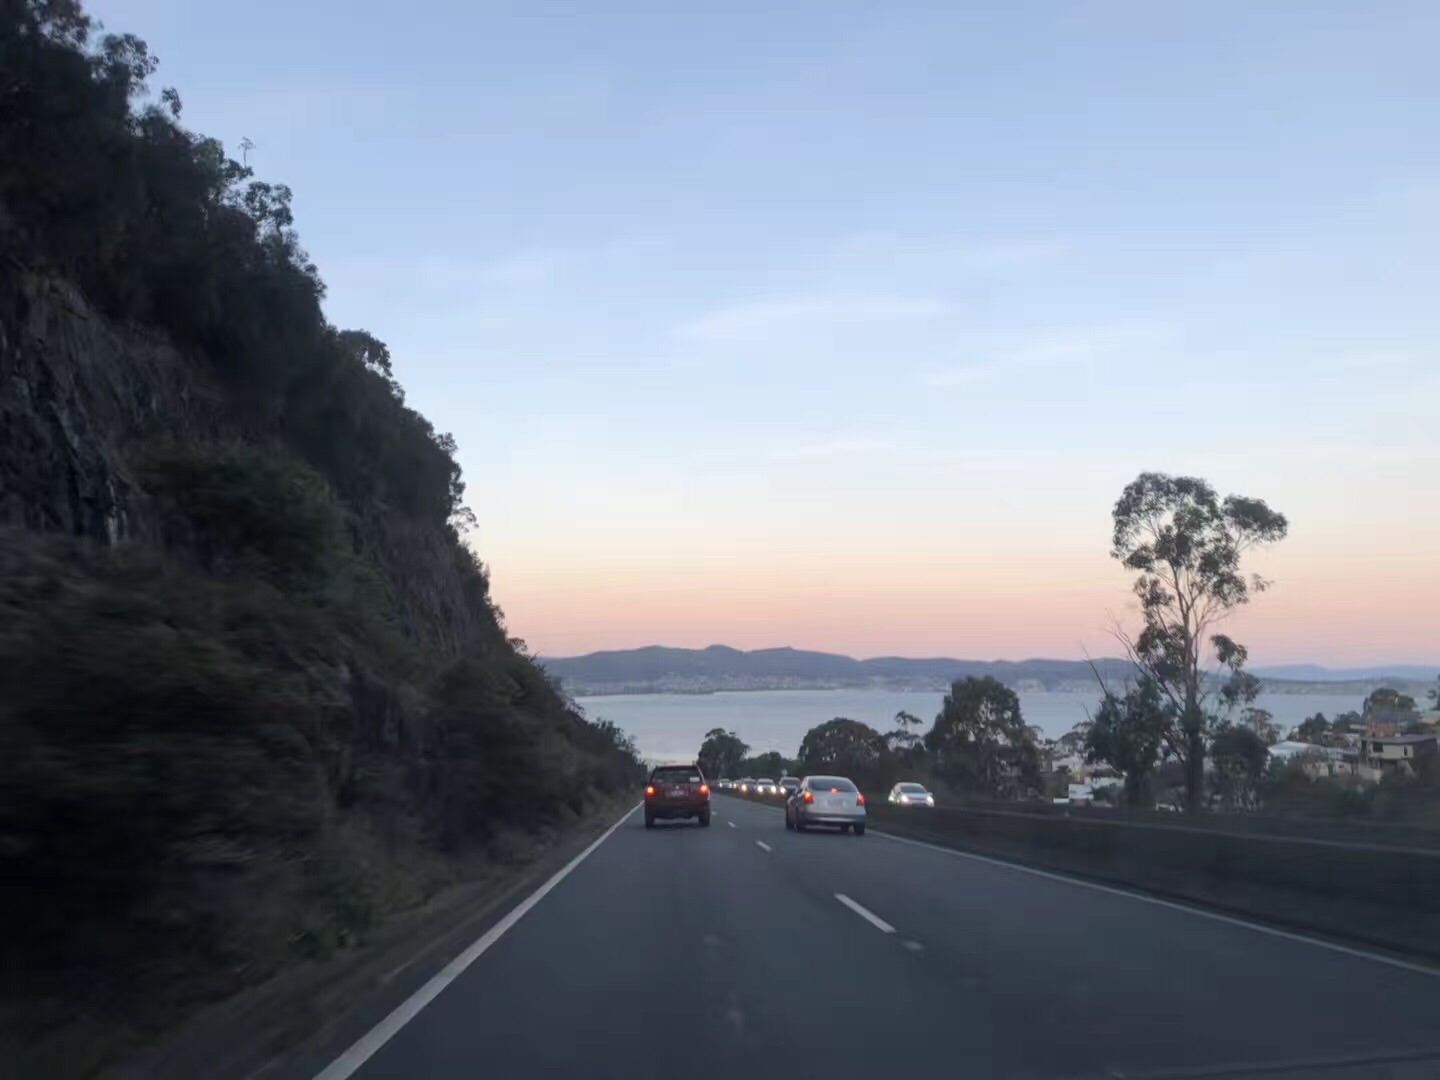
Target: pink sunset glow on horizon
(1315, 611)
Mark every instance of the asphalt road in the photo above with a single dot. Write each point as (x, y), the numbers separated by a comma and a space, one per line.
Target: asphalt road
(744, 949)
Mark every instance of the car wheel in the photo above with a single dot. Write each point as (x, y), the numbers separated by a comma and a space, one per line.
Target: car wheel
(799, 825)
(705, 819)
(649, 821)
(859, 830)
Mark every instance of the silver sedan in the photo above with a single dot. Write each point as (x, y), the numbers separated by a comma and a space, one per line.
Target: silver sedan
(826, 800)
(909, 794)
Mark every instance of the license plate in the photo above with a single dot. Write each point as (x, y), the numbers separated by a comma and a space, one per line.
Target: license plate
(678, 792)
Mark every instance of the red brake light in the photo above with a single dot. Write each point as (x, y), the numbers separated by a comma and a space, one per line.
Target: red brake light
(649, 789)
(834, 791)
(704, 789)
(808, 796)
(859, 799)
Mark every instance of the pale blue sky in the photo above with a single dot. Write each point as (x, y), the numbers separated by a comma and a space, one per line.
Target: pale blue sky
(862, 314)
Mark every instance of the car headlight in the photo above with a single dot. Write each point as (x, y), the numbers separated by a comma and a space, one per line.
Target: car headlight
(904, 798)
(929, 800)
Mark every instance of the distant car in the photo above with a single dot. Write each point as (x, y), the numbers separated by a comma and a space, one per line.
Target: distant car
(724, 783)
(747, 785)
(765, 786)
(677, 791)
(826, 800)
(910, 794)
(789, 785)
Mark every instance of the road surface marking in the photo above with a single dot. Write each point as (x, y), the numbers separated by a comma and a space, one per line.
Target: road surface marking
(762, 845)
(730, 823)
(914, 946)
(351, 1060)
(866, 914)
(1216, 916)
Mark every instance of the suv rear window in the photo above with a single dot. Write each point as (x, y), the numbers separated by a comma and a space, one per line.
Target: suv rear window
(825, 783)
(675, 775)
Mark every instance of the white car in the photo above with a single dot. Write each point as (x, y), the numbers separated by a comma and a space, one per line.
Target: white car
(826, 800)
(911, 794)
(765, 786)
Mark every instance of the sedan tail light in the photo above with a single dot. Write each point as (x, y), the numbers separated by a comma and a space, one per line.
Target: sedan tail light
(808, 796)
(859, 799)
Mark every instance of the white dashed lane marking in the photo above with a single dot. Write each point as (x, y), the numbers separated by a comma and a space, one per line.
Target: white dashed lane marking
(866, 914)
(762, 845)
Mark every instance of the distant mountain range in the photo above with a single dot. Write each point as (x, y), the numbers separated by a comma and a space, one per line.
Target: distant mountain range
(657, 669)
(1316, 673)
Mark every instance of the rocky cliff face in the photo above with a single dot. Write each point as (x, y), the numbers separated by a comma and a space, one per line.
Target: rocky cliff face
(82, 398)
(77, 395)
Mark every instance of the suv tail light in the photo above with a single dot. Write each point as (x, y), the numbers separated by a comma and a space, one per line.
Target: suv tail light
(704, 789)
(859, 799)
(649, 790)
(808, 796)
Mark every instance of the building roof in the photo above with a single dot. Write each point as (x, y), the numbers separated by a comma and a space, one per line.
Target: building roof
(1400, 739)
(1291, 748)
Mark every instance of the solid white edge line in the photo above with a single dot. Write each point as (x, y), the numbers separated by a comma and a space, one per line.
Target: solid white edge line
(762, 845)
(1259, 928)
(366, 1046)
(866, 914)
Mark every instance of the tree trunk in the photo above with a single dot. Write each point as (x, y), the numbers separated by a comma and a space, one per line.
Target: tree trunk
(1134, 787)
(1194, 763)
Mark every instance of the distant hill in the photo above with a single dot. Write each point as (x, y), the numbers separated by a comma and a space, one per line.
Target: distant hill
(658, 669)
(1316, 673)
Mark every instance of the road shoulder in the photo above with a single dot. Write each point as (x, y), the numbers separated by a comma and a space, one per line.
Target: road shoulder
(292, 1026)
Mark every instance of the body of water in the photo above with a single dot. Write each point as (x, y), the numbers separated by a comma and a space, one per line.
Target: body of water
(671, 726)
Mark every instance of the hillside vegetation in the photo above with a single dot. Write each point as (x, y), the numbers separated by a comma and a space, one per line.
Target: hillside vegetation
(254, 696)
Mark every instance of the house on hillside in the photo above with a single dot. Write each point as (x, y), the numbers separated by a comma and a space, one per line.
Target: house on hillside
(1397, 751)
(1317, 761)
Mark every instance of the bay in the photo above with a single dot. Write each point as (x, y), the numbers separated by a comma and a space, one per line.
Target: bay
(670, 727)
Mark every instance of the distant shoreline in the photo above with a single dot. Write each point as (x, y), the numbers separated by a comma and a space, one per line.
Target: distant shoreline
(1268, 686)
(723, 670)
(720, 669)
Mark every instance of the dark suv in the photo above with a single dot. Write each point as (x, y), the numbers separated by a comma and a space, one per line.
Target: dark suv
(677, 791)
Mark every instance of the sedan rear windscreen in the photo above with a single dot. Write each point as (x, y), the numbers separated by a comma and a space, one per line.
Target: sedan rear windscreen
(675, 776)
(825, 783)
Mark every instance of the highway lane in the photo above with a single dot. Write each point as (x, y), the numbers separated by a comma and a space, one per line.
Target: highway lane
(745, 947)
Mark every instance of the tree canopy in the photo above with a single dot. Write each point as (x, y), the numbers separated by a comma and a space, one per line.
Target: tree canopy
(1387, 706)
(1185, 545)
(1241, 759)
(980, 741)
(771, 764)
(721, 753)
(1313, 729)
(847, 747)
(1128, 731)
